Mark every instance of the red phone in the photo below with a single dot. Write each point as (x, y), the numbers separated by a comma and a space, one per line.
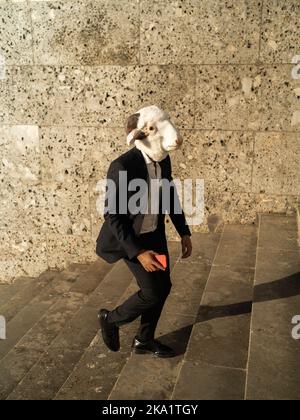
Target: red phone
(162, 259)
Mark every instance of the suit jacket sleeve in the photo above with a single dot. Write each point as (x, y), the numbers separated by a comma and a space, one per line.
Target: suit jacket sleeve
(178, 219)
(120, 224)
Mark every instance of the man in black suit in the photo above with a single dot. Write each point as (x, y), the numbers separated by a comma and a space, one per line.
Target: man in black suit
(138, 238)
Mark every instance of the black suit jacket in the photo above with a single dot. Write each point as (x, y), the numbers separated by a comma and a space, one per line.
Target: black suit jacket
(117, 238)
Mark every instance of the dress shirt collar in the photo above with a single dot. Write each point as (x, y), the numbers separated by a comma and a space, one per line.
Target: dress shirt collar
(148, 160)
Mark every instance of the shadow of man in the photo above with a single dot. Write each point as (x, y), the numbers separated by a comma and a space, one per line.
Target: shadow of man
(278, 289)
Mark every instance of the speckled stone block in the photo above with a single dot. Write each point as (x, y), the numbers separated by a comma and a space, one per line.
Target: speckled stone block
(111, 94)
(65, 154)
(22, 254)
(280, 31)
(66, 249)
(199, 32)
(267, 203)
(269, 163)
(47, 95)
(6, 86)
(89, 32)
(79, 154)
(171, 88)
(114, 92)
(15, 32)
(62, 208)
(226, 208)
(298, 222)
(222, 159)
(96, 202)
(276, 163)
(280, 99)
(66, 208)
(20, 155)
(21, 207)
(228, 97)
(106, 144)
(72, 157)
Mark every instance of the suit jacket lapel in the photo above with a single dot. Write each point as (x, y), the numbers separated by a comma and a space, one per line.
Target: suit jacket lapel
(165, 172)
(139, 167)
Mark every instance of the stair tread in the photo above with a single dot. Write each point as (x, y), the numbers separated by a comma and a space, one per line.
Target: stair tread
(33, 302)
(20, 299)
(278, 232)
(223, 322)
(273, 372)
(139, 378)
(31, 336)
(276, 302)
(47, 376)
(238, 247)
(209, 382)
(97, 370)
(30, 313)
(7, 291)
(276, 291)
(32, 345)
(88, 280)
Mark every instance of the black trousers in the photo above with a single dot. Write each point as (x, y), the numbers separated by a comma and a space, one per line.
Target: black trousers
(154, 287)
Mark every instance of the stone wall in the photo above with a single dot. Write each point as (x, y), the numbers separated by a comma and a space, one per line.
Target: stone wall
(71, 71)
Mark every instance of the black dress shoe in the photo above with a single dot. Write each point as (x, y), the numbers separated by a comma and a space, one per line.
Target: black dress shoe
(110, 332)
(153, 347)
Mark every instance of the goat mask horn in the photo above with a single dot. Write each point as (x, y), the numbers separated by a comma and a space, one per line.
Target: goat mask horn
(133, 133)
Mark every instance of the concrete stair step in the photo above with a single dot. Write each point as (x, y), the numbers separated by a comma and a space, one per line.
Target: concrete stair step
(273, 351)
(25, 313)
(139, 377)
(7, 291)
(214, 365)
(35, 326)
(54, 350)
(47, 376)
(42, 293)
(23, 296)
(88, 279)
(98, 369)
(31, 347)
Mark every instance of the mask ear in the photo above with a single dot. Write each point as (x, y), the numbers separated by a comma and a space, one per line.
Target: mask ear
(135, 134)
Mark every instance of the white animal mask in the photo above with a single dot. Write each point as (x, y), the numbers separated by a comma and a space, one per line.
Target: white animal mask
(152, 132)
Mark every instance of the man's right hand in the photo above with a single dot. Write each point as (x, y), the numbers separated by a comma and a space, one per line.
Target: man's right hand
(149, 262)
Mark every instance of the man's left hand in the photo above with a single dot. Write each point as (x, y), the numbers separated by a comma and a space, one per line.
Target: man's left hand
(186, 245)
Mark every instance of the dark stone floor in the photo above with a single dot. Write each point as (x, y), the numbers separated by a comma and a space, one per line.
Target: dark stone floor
(229, 318)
